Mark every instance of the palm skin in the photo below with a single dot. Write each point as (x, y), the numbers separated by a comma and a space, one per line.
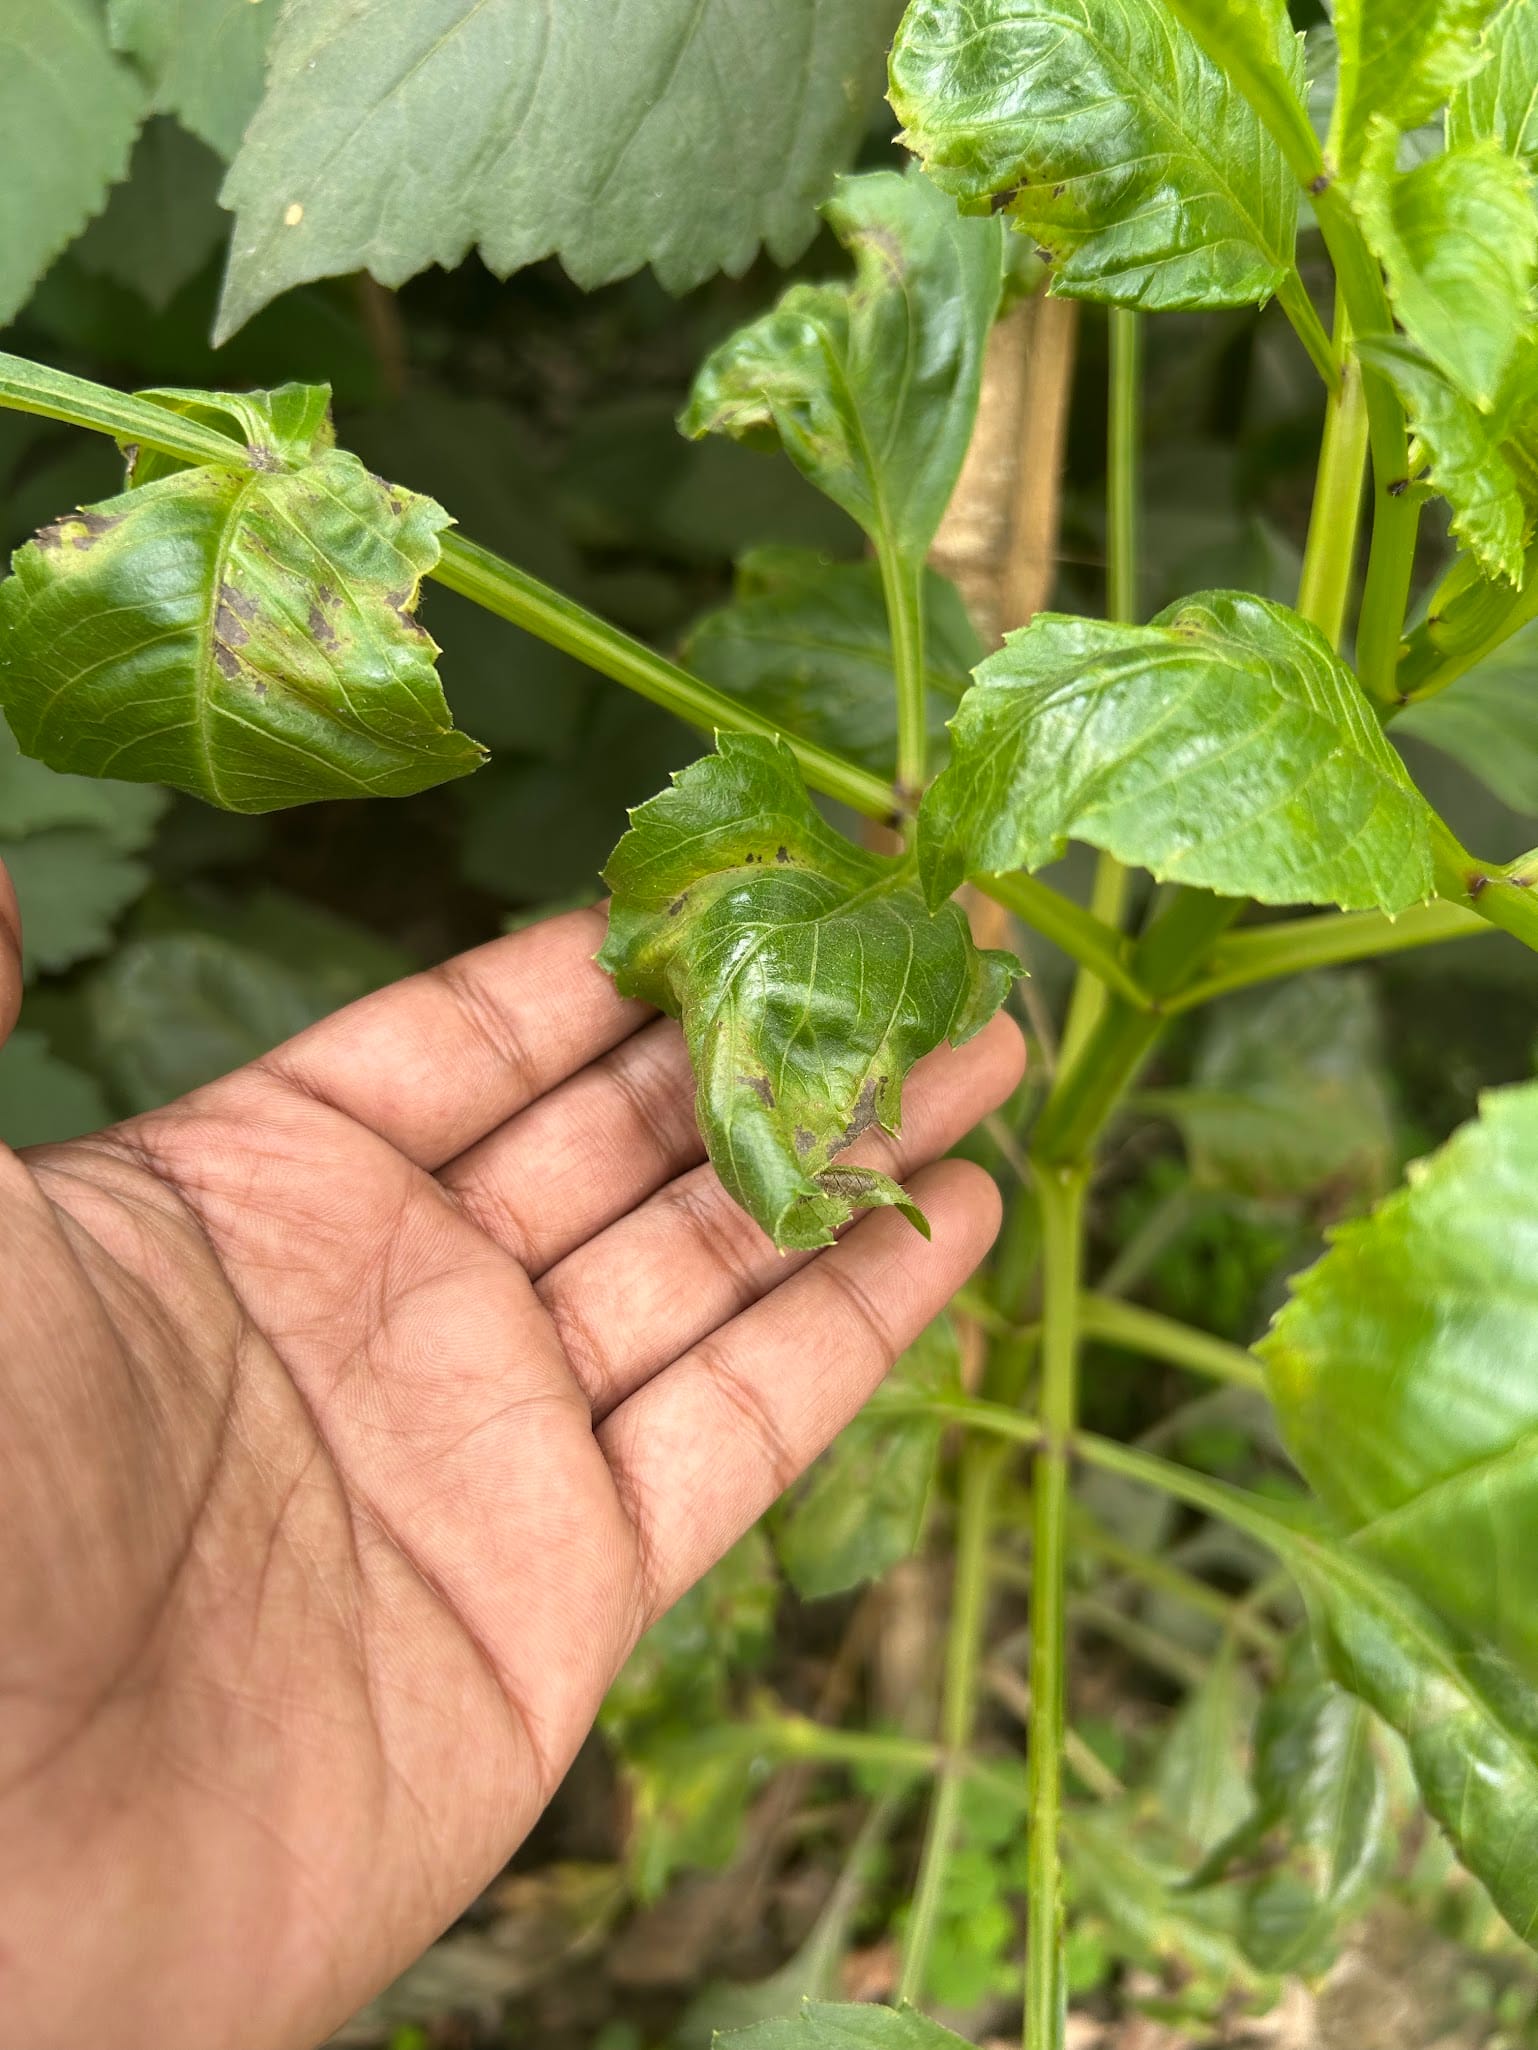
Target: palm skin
(357, 1413)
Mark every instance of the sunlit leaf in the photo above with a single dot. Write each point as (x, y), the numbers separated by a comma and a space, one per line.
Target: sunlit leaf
(861, 1506)
(806, 642)
(682, 134)
(808, 973)
(244, 634)
(1112, 139)
(1399, 59)
(1498, 99)
(1287, 1096)
(1405, 1375)
(1225, 745)
(1489, 721)
(871, 386)
(822, 2025)
(1458, 239)
(69, 112)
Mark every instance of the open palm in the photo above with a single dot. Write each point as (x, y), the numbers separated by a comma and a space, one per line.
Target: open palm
(357, 1413)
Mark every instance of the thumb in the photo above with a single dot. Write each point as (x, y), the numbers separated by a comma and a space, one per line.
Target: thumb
(10, 956)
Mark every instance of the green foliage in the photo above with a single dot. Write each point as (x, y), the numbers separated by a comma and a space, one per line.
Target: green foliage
(69, 112)
(1399, 60)
(1490, 721)
(162, 225)
(860, 1508)
(808, 974)
(823, 2026)
(628, 151)
(1112, 139)
(1401, 1375)
(1253, 768)
(244, 634)
(203, 59)
(1497, 98)
(1286, 1096)
(871, 386)
(806, 641)
(43, 1098)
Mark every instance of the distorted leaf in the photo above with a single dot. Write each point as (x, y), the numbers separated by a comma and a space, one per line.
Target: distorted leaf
(1399, 60)
(43, 1098)
(676, 134)
(1111, 137)
(860, 1508)
(808, 973)
(822, 2025)
(1403, 1371)
(1224, 745)
(69, 112)
(1489, 721)
(243, 634)
(1497, 99)
(203, 59)
(1458, 239)
(1287, 1094)
(806, 642)
(871, 386)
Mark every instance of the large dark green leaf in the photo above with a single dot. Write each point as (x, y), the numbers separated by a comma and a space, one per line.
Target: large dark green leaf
(43, 1098)
(1498, 99)
(822, 2025)
(246, 635)
(1405, 1375)
(1224, 745)
(682, 134)
(1111, 137)
(1287, 1095)
(203, 59)
(806, 641)
(1489, 721)
(69, 112)
(1399, 60)
(808, 974)
(1458, 239)
(861, 1506)
(871, 386)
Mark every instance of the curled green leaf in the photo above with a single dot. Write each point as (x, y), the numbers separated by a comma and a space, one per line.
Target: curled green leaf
(246, 634)
(1224, 745)
(809, 976)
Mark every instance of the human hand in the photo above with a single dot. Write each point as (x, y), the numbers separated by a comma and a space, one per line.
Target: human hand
(357, 1413)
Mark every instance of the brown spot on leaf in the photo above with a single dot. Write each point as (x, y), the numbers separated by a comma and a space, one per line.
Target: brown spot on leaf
(759, 1084)
(780, 854)
(262, 458)
(1476, 883)
(678, 904)
(226, 661)
(322, 632)
(805, 1140)
(864, 1112)
(1001, 202)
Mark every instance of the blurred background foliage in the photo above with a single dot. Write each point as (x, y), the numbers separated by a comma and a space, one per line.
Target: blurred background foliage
(724, 1844)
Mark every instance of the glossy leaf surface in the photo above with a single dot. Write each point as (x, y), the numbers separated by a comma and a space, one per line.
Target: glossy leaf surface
(1112, 138)
(1224, 745)
(871, 386)
(808, 974)
(69, 111)
(806, 642)
(861, 1507)
(1405, 1375)
(824, 2025)
(203, 58)
(1458, 239)
(246, 635)
(1399, 59)
(1498, 99)
(682, 134)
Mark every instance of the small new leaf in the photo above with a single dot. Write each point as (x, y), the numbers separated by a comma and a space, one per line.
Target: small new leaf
(1224, 745)
(808, 974)
(245, 634)
(871, 386)
(1110, 136)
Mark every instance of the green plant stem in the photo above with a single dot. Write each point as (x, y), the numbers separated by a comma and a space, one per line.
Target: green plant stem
(1062, 1191)
(982, 1466)
(1330, 554)
(799, 1737)
(1083, 936)
(1292, 946)
(1108, 898)
(1292, 297)
(1426, 669)
(1166, 1338)
(1505, 895)
(1165, 1577)
(56, 395)
(902, 584)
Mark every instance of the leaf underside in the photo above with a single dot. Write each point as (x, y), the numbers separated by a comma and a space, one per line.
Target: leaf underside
(809, 976)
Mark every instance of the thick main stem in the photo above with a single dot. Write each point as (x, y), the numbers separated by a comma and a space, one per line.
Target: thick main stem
(1062, 1211)
(1330, 554)
(902, 584)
